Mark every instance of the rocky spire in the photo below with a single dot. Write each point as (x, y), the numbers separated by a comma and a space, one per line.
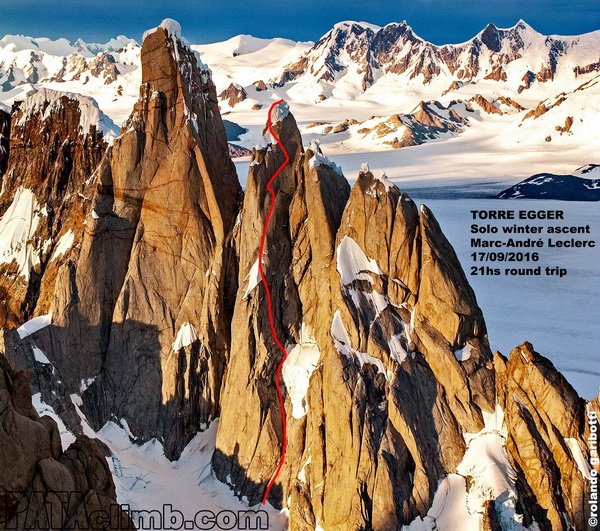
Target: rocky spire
(165, 206)
(144, 308)
(546, 439)
(352, 289)
(310, 195)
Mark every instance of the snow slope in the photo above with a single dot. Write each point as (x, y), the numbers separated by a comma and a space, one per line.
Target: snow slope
(491, 477)
(145, 479)
(17, 229)
(244, 59)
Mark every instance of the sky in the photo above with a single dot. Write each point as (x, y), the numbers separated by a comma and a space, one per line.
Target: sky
(203, 21)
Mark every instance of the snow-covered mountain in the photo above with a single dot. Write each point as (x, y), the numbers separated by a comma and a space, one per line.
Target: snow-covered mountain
(352, 57)
(364, 76)
(108, 72)
(581, 185)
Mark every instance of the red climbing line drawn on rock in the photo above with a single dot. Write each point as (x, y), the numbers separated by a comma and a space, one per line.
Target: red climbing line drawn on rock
(263, 240)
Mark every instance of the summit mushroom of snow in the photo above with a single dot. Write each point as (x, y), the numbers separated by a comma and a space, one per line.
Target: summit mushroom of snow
(280, 112)
(172, 27)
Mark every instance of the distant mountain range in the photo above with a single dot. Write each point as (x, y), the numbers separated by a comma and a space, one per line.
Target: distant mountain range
(519, 56)
(348, 60)
(530, 98)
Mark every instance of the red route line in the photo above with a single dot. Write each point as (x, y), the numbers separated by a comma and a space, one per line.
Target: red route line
(261, 251)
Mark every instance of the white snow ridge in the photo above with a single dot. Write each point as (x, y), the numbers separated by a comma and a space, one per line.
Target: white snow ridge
(172, 26)
(319, 159)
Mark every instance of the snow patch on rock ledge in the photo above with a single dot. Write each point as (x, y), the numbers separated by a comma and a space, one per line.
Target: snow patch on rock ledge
(173, 29)
(33, 325)
(253, 279)
(382, 178)
(343, 345)
(44, 410)
(298, 367)
(352, 262)
(319, 159)
(64, 244)
(185, 337)
(40, 356)
(463, 354)
(17, 230)
(582, 464)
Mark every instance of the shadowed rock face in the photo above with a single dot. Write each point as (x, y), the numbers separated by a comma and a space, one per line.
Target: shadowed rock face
(38, 478)
(51, 159)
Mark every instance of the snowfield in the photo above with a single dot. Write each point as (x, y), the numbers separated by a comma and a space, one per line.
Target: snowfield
(17, 229)
(146, 480)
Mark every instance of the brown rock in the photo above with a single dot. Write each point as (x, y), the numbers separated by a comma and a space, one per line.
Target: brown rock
(545, 420)
(511, 103)
(582, 70)
(485, 104)
(528, 78)
(309, 202)
(260, 85)
(537, 112)
(51, 157)
(566, 128)
(233, 94)
(155, 262)
(38, 478)
(389, 416)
